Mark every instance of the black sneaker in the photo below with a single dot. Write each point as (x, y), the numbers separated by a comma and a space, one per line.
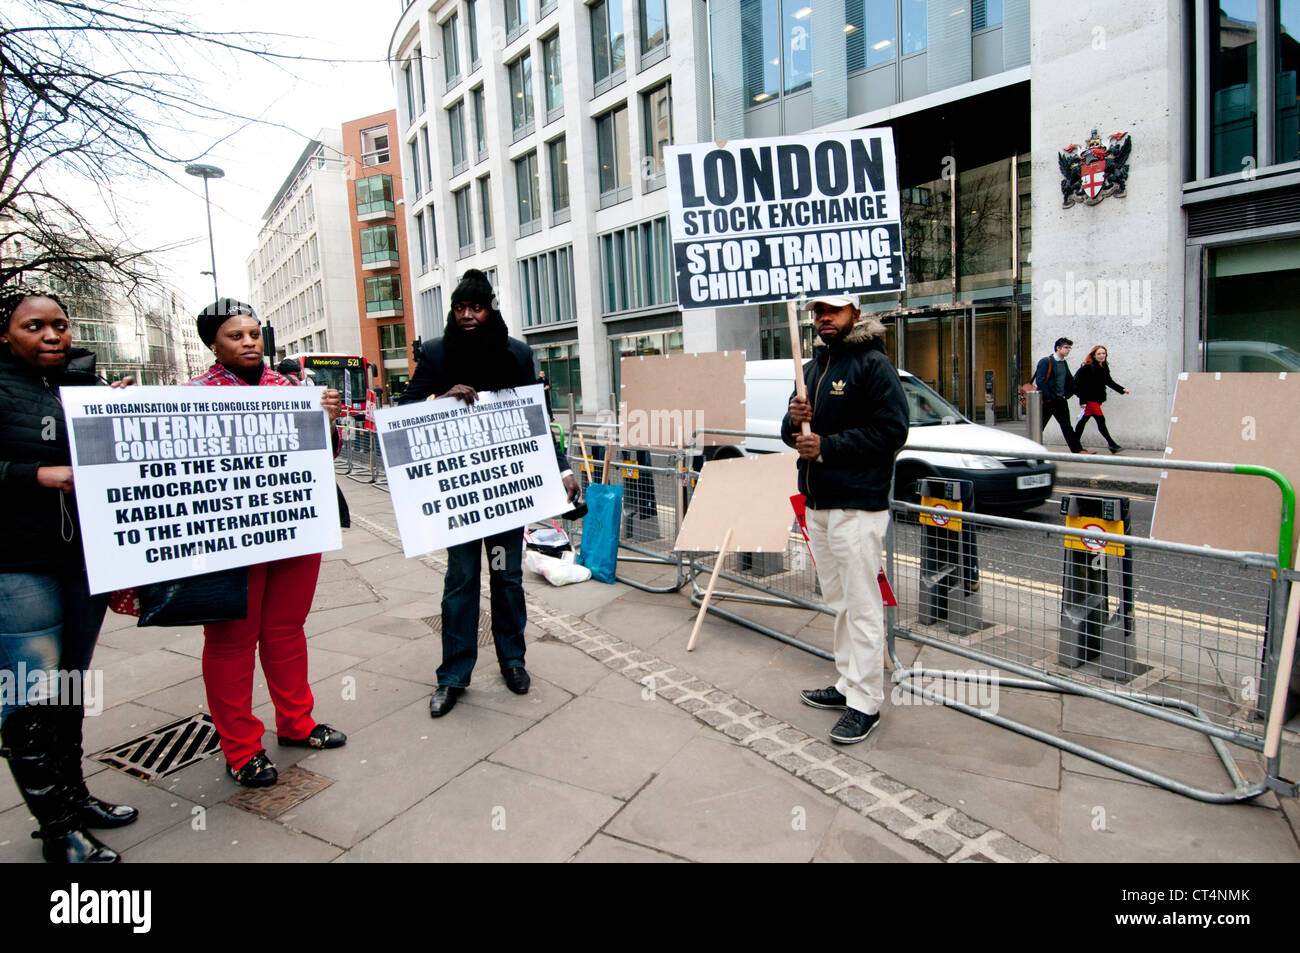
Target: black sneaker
(854, 726)
(824, 698)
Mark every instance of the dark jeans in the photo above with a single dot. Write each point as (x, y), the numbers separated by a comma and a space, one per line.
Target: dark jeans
(1060, 411)
(460, 601)
(48, 624)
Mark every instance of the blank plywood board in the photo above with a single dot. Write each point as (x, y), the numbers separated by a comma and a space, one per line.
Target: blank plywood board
(658, 392)
(1229, 418)
(748, 495)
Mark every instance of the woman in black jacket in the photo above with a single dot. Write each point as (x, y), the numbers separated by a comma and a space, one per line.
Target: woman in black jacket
(1090, 383)
(49, 621)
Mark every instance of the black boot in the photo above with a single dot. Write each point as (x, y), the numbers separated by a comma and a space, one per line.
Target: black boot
(91, 811)
(29, 735)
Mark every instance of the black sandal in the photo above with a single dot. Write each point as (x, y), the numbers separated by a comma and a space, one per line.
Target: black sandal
(322, 736)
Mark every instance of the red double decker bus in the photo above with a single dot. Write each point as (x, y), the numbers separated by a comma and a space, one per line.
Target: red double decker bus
(349, 374)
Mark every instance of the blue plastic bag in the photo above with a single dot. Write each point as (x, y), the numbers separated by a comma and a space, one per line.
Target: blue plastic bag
(598, 548)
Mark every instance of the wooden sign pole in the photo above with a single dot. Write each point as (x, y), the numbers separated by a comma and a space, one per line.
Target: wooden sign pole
(796, 351)
(1273, 736)
(586, 462)
(708, 592)
(609, 462)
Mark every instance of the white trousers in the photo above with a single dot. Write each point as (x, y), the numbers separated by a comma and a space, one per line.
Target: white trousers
(847, 545)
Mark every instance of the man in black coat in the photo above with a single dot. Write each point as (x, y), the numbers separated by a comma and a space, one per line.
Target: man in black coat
(476, 353)
(858, 419)
(1054, 381)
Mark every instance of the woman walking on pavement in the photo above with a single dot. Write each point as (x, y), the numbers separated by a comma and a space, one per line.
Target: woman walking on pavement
(49, 621)
(279, 593)
(1090, 385)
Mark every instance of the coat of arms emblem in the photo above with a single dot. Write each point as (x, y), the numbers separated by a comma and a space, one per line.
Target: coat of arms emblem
(1095, 170)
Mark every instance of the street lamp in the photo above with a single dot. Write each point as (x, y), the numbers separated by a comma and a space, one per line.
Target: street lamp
(206, 172)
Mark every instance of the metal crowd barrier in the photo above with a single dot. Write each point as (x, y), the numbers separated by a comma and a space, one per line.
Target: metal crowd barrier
(359, 458)
(1189, 635)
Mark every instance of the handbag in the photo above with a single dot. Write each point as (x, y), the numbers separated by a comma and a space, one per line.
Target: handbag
(196, 600)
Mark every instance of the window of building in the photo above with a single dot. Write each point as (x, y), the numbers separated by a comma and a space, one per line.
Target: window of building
(431, 319)
(392, 342)
(1288, 90)
(760, 50)
(985, 13)
(554, 78)
(915, 26)
(654, 24)
(379, 245)
(546, 287)
(428, 156)
(527, 189)
(516, 18)
(451, 51)
(384, 293)
(374, 194)
(480, 125)
(559, 362)
(422, 242)
(374, 146)
(414, 148)
(637, 267)
(485, 211)
(521, 96)
(322, 343)
(417, 64)
(471, 30)
(464, 222)
(774, 333)
(657, 124)
(558, 159)
(433, 232)
(607, 44)
(614, 157)
(796, 44)
(409, 83)
(871, 33)
(1251, 317)
(456, 127)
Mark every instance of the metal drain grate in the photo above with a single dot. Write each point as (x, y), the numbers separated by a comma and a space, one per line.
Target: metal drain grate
(164, 750)
(434, 622)
(295, 785)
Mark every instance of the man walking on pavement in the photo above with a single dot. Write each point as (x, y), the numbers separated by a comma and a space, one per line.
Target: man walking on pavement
(1054, 381)
(858, 419)
(475, 353)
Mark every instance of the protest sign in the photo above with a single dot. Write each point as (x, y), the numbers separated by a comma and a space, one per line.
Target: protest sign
(460, 472)
(176, 481)
(757, 220)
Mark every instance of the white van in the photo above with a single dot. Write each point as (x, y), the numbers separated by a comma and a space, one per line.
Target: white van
(1000, 482)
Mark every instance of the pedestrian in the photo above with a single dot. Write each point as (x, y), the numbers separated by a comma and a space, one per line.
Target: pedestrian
(279, 593)
(476, 353)
(49, 621)
(1090, 387)
(291, 369)
(1054, 381)
(858, 416)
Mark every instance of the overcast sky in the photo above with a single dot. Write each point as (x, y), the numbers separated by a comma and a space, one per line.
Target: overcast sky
(257, 159)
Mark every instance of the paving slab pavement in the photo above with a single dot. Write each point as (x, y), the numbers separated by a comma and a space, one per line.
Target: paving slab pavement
(628, 748)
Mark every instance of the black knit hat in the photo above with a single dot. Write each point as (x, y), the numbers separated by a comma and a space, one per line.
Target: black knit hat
(212, 317)
(474, 287)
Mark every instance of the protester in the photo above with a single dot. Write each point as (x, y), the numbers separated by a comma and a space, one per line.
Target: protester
(476, 354)
(1090, 387)
(858, 417)
(1054, 381)
(49, 621)
(279, 593)
(291, 369)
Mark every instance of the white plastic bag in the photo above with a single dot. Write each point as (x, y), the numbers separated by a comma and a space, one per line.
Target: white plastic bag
(558, 572)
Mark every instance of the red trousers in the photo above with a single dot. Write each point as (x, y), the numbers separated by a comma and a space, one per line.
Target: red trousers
(279, 597)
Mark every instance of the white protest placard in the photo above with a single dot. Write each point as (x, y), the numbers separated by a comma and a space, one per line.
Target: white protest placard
(757, 220)
(458, 472)
(176, 481)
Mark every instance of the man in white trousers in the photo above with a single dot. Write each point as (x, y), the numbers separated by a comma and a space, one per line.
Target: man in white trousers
(858, 419)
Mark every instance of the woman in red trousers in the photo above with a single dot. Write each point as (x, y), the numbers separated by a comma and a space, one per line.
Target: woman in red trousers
(279, 593)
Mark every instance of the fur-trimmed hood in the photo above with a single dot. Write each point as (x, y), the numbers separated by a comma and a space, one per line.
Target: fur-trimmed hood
(867, 329)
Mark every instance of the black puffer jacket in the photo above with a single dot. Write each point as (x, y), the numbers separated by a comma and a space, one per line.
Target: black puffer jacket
(1091, 381)
(38, 525)
(860, 413)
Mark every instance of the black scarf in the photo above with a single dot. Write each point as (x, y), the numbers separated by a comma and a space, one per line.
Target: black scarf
(480, 358)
